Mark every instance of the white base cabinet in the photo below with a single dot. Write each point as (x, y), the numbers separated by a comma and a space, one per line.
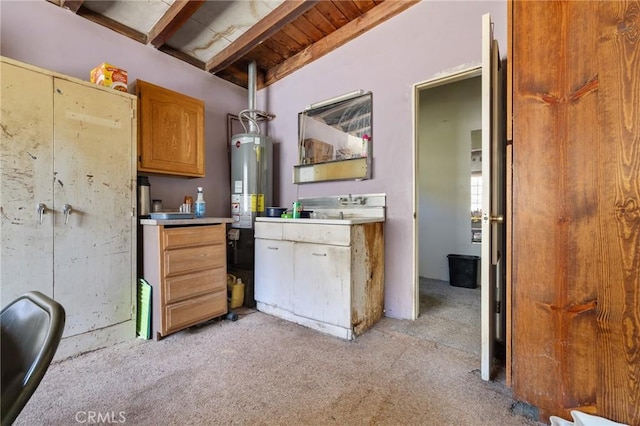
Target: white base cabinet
(69, 145)
(326, 277)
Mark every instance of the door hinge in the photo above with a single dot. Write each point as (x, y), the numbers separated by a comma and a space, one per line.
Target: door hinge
(497, 307)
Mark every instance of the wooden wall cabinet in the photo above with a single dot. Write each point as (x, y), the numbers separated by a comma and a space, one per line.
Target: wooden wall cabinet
(69, 145)
(576, 221)
(171, 132)
(187, 268)
(326, 277)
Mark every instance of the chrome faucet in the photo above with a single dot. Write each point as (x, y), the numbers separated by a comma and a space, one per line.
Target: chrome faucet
(351, 201)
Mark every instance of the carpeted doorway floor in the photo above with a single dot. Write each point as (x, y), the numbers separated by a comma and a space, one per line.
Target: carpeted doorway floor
(449, 316)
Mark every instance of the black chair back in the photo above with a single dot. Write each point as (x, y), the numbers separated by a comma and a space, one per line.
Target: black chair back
(32, 327)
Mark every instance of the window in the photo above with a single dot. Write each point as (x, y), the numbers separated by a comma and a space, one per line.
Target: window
(476, 196)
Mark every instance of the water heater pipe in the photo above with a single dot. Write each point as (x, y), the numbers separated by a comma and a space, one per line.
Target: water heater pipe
(252, 88)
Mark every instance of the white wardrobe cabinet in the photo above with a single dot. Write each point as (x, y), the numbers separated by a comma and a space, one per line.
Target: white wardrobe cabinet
(69, 147)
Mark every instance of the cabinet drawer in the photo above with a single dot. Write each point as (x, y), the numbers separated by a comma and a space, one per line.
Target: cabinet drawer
(185, 286)
(192, 311)
(339, 235)
(268, 230)
(185, 260)
(193, 236)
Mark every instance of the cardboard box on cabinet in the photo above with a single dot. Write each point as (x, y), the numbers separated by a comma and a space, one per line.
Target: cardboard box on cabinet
(110, 76)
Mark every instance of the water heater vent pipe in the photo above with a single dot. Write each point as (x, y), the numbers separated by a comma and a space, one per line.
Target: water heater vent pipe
(252, 114)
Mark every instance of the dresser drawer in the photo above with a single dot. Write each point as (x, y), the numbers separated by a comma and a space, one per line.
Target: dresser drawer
(190, 236)
(193, 311)
(185, 286)
(192, 259)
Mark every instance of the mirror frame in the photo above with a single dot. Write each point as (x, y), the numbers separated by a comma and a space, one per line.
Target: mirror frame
(357, 168)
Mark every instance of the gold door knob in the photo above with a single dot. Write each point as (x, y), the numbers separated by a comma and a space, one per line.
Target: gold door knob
(497, 218)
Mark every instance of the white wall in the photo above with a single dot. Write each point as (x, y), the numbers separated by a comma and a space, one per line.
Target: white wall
(429, 39)
(447, 115)
(42, 34)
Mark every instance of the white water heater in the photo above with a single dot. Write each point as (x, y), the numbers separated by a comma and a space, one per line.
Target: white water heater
(251, 164)
(251, 177)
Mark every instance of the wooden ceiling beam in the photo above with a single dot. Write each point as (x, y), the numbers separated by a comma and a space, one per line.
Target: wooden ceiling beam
(272, 23)
(182, 56)
(112, 25)
(346, 33)
(72, 5)
(173, 19)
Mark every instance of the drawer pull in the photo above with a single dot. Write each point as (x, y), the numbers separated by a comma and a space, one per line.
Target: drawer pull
(272, 248)
(319, 254)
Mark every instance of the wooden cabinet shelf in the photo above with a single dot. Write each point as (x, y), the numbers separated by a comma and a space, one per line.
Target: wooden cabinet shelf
(171, 132)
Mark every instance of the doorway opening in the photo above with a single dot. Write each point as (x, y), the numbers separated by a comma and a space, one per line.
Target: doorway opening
(448, 127)
(448, 171)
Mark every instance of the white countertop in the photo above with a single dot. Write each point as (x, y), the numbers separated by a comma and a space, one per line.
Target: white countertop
(347, 221)
(194, 221)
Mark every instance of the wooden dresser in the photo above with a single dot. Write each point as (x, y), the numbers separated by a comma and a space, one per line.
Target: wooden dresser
(187, 267)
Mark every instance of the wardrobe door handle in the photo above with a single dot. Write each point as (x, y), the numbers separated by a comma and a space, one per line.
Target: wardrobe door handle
(66, 209)
(41, 210)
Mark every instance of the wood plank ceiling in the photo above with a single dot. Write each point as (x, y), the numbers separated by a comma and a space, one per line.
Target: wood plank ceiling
(223, 37)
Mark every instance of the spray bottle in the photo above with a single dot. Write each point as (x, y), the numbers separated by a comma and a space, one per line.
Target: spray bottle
(200, 207)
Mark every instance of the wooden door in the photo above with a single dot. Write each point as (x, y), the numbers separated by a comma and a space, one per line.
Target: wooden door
(93, 175)
(26, 257)
(576, 192)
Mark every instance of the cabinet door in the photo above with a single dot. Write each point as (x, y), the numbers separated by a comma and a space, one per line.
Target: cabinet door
(93, 175)
(322, 284)
(26, 253)
(274, 273)
(171, 132)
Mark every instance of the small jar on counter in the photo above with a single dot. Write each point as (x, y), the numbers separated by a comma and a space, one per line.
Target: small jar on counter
(157, 206)
(187, 206)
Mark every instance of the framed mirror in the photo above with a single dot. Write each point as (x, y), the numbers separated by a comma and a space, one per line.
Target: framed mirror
(335, 139)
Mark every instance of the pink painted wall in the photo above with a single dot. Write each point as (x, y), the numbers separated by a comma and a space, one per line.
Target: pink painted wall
(45, 35)
(431, 38)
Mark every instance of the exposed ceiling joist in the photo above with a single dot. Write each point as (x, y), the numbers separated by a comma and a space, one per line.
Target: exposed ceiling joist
(175, 17)
(72, 5)
(258, 33)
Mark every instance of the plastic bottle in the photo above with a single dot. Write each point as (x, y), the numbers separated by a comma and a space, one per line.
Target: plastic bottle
(200, 206)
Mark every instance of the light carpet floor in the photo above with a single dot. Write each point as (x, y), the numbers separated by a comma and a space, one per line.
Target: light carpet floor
(261, 370)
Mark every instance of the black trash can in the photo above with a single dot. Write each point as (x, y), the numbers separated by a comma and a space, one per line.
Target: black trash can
(463, 270)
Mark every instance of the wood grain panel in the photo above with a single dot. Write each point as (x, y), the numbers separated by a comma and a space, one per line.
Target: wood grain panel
(618, 180)
(553, 205)
(576, 221)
